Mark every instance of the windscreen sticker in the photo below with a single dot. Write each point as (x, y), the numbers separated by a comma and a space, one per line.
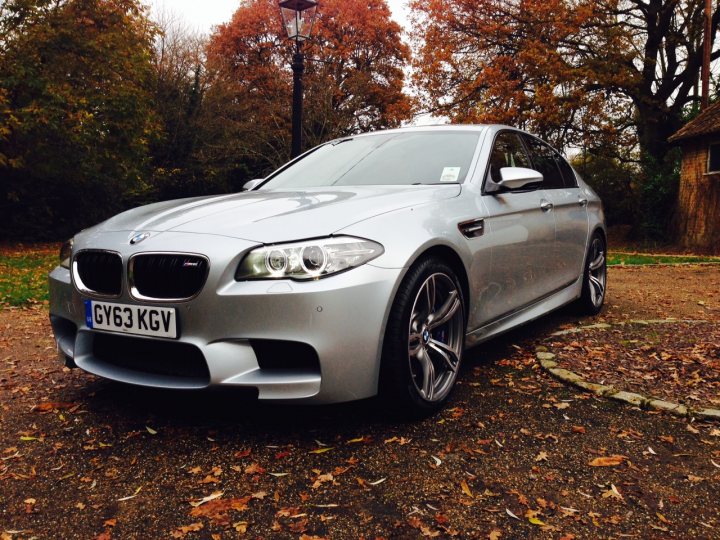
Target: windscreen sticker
(450, 174)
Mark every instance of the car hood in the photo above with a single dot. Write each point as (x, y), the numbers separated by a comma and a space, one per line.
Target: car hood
(276, 216)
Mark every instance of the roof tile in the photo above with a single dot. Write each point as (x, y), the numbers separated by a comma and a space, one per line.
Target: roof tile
(706, 123)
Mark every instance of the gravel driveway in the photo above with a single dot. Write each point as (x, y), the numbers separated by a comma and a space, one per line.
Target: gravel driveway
(517, 454)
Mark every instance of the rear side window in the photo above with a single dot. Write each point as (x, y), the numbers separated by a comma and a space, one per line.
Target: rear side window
(508, 151)
(567, 172)
(543, 158)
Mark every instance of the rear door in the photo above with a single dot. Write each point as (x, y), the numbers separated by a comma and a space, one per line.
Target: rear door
(521, 227)
(569, 208)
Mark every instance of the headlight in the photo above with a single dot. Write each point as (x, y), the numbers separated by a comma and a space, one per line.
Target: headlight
(310, 259)
(66, 253)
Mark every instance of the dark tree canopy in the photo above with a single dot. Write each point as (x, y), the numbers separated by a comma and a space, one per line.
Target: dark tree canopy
(77, 116)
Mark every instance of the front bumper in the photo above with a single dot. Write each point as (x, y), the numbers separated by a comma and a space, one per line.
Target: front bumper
(341, 318)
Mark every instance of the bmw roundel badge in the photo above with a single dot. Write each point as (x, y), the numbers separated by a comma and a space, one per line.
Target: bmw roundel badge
(139, 237)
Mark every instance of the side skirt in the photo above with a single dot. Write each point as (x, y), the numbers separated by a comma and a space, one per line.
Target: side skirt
(530, 313)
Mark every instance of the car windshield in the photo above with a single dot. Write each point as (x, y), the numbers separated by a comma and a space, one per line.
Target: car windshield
(417, 157)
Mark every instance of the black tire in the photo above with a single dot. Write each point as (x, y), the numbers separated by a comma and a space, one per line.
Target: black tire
(409, 329)
(594, 284)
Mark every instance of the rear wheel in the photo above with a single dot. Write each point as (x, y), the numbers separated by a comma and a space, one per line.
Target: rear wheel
(594, 277)
(424, 340)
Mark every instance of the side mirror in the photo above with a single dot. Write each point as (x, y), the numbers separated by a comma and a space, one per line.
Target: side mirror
(518, 177)
(252, 184)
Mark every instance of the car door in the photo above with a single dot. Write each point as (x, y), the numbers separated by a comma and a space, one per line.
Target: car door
(569, 208)
(521, 230)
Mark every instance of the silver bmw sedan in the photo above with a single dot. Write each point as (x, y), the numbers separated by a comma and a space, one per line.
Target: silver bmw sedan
(365, 266)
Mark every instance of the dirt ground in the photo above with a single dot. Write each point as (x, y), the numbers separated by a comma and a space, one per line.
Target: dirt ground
(515, 455)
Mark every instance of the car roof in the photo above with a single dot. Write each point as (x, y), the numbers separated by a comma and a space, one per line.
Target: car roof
(438, 127)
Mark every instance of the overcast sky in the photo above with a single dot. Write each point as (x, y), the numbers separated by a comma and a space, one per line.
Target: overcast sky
(204, 14)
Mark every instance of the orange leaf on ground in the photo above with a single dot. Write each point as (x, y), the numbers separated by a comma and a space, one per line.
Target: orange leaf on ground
(182, 531)
(607, 461)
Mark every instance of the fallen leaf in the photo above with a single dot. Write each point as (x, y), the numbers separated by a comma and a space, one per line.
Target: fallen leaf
(561, 406)
(509, 513)
(298, 526)
(150, 430)
(465, 488)
(254, 468)
(321, 450)
(182, 531)
(377, 482)
(217, 510)
(321, 479)
(542, 456)
(613, 492)
(131, 496)
(607, 461)
(209, 479)
(214, 495)
(49, 406)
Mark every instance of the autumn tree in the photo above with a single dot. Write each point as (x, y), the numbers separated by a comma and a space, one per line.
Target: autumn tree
(353, 79)
(183, 159)
(508, 62)
(607, 74)
(76, 116)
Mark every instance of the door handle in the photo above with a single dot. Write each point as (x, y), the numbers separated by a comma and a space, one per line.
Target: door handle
(546, 206)
(583, 202)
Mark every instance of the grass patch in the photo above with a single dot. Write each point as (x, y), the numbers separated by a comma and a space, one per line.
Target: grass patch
(23, 273)
(620, 258)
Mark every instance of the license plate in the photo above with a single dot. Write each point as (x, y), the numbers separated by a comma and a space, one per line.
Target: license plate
(131, 319)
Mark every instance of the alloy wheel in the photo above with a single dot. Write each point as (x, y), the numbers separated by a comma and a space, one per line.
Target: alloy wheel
(435, 337)
(597, 272)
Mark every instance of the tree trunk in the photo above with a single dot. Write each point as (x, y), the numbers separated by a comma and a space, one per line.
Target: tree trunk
(698, 215)
(655, 124)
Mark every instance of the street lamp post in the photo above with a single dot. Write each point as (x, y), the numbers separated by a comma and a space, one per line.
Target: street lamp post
(298, 18)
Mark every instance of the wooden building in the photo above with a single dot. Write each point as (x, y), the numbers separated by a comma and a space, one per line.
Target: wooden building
(698, 215)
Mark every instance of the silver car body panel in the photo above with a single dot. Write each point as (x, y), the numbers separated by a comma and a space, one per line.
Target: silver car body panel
(524, 262)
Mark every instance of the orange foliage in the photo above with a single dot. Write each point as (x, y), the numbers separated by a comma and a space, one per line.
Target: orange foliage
(353, 78)
(518, 63)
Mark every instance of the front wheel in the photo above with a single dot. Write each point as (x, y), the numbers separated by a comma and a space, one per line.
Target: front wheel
(424, 340)
(594, 277)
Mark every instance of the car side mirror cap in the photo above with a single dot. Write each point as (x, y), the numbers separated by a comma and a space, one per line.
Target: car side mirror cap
(252, 184)
(518, 177)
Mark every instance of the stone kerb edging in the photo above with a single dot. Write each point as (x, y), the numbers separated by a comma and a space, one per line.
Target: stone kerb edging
(547, 362)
